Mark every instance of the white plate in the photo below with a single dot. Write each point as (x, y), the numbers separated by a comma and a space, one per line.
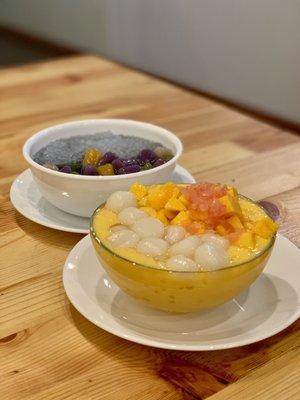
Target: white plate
(270, 305)
(27, 199)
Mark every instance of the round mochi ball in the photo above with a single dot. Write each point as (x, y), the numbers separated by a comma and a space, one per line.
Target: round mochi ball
(124, 238)
(117, 228)
(185, 247)
(174, 233)
(215, 239)
(152, 246)
(149, 227)
(117, 201)
(181, 263)
(129, 215)
(211, 257)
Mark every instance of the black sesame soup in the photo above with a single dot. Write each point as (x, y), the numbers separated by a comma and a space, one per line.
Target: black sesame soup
(102, 154)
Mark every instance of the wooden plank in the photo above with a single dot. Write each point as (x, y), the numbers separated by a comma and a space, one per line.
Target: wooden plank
(213, 156)
(74, 358)
(15, 77)
(279, 379)
(289, 208)
(261, 175)
(42, 298)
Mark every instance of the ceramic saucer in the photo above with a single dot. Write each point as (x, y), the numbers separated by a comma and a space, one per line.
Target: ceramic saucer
(27, 199)
(270, 305)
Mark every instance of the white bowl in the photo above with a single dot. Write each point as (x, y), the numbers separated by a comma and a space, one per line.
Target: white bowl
(81, 195)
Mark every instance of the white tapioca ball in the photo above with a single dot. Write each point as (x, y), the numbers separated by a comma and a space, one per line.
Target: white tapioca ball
(215, 239)
(117, 228)
(129, 215)
(124, 238)
(149, 227)
(211, 257)
(174, 233)
(117, 201)
(185, 247)
(152, 246)
(181, 263)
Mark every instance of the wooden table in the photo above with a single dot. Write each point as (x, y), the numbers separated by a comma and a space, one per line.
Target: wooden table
(47, 349)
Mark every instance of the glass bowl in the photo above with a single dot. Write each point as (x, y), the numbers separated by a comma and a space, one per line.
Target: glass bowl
(174, 291)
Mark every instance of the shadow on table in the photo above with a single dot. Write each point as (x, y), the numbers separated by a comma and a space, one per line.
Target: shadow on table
(118, 348)
(217, 367)
(47, 236)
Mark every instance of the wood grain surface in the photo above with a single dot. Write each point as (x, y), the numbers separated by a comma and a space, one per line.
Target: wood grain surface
(47, 349)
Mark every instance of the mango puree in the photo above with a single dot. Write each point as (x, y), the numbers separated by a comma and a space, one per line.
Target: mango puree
(141, 277)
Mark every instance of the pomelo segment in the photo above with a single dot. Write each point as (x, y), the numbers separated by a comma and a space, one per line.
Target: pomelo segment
(204, 198)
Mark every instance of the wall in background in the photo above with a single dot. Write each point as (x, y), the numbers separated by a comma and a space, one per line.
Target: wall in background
(247, 51)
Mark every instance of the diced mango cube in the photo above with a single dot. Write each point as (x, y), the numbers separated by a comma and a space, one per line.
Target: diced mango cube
(232, 191)
(222, 230)
(246, 240)
(232, 205)
(184, 200)
(201, 229)
(272, 225)
(161, 216)
(150, 211)
(265, 227)
(170, 214)
(174, 204)
(238, 254)
(138, 190)
(175, 191)
(235, 222)
(143, 202)
(261, 242)
(171, 188)
(182, 218)
(251, 211)
(199, 215)
(249, 225)
(159, 195)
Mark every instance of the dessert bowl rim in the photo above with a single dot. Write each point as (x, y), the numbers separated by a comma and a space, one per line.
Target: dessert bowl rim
(45, 132)
(256, 256)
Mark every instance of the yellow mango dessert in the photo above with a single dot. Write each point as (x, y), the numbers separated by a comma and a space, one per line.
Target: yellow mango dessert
(182, 248)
